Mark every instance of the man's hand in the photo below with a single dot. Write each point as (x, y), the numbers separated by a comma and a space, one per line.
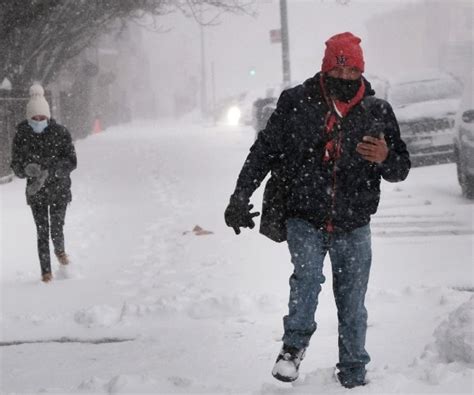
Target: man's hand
(373, 149)
(238, 215)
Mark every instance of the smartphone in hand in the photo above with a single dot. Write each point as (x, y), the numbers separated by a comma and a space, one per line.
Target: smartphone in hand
(376, 130)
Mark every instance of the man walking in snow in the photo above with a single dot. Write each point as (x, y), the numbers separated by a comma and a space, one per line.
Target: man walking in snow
(327, 145)
(44, 154)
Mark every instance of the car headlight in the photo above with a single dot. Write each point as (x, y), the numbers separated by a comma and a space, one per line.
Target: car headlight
(233, 115)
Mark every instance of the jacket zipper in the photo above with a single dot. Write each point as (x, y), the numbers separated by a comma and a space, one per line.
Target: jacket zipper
(329, 224)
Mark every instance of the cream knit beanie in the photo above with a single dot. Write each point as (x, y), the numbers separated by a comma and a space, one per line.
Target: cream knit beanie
(37, 105)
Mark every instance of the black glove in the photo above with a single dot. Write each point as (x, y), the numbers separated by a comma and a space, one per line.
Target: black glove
(62, 168)
(61, 173)
(237, 215)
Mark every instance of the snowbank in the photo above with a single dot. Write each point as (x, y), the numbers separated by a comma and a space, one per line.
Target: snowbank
(448, 362)
(455, 336)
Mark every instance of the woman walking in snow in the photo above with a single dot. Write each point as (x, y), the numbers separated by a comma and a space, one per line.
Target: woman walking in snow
(44, 154)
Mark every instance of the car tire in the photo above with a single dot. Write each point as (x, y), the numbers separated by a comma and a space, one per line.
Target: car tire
(466, 181)
(457, 160)
(468, 187)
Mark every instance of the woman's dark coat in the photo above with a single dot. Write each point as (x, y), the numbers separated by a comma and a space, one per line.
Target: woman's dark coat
(54, 151)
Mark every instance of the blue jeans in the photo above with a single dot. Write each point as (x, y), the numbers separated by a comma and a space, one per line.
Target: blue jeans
(351, 256)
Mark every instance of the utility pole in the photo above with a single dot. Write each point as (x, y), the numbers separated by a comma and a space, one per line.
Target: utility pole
(203, 71)
(213, 82)
(285, 44)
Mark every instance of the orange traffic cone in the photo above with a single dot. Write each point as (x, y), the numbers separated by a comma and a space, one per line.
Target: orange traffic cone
(97, 128)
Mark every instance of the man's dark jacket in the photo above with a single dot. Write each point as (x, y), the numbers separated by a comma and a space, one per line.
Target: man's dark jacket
(343, 192)
(54, 151)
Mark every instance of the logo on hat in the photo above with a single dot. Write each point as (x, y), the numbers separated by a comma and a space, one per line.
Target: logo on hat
(341, 60)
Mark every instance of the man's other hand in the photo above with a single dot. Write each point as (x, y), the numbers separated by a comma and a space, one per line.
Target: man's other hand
(373, 149)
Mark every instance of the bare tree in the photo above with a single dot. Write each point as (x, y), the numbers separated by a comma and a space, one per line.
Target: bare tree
(38, 38)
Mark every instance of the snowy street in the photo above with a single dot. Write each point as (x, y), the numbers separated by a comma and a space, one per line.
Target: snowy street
(149, 306)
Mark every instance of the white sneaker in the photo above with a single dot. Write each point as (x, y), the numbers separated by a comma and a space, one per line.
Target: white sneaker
(287, 364)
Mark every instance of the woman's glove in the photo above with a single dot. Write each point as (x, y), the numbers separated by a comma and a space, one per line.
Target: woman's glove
(37, 183)
(61, 173)
(32, 170)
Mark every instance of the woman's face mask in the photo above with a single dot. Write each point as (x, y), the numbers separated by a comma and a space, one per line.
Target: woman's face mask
(38, 126)
(342, 89)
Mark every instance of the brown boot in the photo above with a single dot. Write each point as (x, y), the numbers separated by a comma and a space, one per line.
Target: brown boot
(62, 258)
(47, 277)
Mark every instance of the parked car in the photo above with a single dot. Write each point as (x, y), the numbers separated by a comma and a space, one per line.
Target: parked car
(261, 111)
(464, 142)
(425, 104)
(264, 106)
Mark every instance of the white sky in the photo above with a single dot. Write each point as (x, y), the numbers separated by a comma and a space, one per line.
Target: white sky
(241, 42)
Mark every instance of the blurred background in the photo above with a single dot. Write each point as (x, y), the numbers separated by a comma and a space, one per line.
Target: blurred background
(109, 62)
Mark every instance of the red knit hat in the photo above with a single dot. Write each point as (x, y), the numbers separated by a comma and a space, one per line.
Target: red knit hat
(343, 50)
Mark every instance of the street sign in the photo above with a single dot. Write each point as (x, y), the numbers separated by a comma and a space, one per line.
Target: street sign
(275, 36)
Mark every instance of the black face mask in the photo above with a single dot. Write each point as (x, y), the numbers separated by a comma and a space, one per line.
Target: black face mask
(341, 89)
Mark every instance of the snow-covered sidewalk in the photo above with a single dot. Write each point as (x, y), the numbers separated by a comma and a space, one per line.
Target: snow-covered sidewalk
(150, 306)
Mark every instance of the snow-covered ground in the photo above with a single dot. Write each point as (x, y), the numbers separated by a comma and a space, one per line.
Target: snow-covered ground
(149, 306)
